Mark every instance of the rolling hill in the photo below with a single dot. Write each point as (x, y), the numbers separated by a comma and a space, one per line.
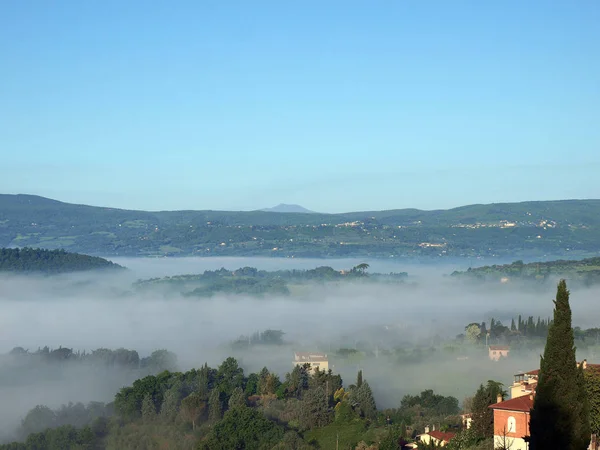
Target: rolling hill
(568, 227)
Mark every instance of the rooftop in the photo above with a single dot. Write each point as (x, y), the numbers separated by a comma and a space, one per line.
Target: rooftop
(441, 435)
(523, 404)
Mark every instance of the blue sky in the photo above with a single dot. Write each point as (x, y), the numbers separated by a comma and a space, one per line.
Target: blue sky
(334, 105)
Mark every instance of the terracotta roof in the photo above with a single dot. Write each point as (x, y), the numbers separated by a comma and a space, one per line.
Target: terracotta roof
(499, 347)
(441, 435)
(533, 372)
(523, 404)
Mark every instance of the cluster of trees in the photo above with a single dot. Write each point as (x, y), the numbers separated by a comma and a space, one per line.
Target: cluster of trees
(267, 337)
(249, 280)
(581, 272)
(497, 332)
(158, 360)
(223, 408)
(77, 415)
(38, 260)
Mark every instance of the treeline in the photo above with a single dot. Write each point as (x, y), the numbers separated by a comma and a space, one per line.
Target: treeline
(521, 330)
(250, 280)
(267, 337)
(499, 333)
(580, 272)
(103, 357)
(223, 408)
(31, 260)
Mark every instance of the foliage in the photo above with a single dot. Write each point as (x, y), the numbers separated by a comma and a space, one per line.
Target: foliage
(315, 411)
(192, 407)
(237, 399)
(243, 428)
(592, 379)
(482, 415)
(436, 404)
(363, 401)
(583, 272)
(148, 408)
(215, 407)
(560, 414)
(49, 261)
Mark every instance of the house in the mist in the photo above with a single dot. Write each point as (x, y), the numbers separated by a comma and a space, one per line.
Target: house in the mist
(498, 351)
(316, 360)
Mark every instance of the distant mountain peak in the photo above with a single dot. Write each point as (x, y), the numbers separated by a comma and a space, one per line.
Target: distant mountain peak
(287, 208)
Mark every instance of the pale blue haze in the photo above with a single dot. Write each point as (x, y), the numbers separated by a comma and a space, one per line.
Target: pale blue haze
(337, 106)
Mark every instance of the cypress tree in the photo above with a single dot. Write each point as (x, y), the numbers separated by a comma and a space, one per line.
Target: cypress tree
(359, 379)
(560, 414)
(513, 327)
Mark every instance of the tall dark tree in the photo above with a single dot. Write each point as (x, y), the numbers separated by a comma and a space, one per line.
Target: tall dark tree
(560, 414)
(359, 379)
(483, 417)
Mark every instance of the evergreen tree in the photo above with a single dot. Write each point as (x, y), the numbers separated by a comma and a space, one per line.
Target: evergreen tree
(483, 416)
(252, 385)
(170, 404)
(359, 379)
(215, 408)
(315, 409)
(363, 398)
(592, 378)
(560, 414)
(513, 327)
(148, 408)
(237, 398)
(583, 419)
(203, 386)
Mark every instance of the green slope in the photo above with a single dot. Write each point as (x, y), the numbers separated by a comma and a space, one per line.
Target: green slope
(552, 227)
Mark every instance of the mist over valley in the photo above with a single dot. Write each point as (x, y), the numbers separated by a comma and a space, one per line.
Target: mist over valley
(401, 332)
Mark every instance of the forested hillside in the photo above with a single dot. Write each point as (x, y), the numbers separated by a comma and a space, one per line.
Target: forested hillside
(29, 260)
(223, 408)
(531, 228)
(586, 271)
(251, 281)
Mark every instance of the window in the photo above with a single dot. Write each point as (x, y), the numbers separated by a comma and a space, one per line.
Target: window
(511, 425)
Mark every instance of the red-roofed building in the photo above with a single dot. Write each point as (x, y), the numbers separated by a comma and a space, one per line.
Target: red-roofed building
(439, 438)
(511, 422)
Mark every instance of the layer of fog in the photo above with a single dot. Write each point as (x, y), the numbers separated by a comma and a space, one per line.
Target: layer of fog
(89, 311)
